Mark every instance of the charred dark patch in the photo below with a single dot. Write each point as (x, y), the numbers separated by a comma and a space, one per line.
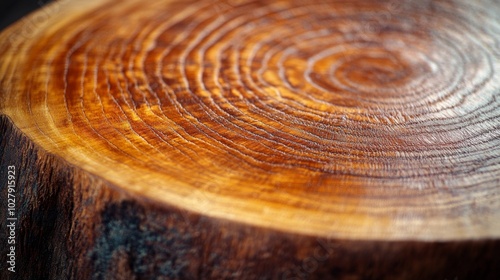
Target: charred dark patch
(145, 247)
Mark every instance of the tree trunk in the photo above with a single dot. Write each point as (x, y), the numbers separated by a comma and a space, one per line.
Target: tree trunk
(251, 140)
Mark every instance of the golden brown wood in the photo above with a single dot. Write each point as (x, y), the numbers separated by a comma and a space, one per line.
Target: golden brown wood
(254, 140)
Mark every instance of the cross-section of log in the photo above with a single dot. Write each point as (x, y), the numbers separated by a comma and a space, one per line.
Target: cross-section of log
(252, 140)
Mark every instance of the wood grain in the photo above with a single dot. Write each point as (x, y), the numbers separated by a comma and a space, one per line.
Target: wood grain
(372, 125)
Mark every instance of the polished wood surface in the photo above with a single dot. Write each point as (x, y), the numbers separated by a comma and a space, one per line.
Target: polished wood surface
(372, 121)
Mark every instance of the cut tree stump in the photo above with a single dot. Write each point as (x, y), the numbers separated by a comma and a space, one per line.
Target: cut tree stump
(252, 140)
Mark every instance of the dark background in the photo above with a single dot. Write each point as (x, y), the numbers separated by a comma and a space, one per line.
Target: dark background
(12, 10)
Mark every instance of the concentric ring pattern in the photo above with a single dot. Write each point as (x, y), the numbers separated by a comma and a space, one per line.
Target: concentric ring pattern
(347, 118)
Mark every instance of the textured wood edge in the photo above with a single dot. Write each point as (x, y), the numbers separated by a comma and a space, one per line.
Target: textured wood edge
(445, 200)
(74, 225)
